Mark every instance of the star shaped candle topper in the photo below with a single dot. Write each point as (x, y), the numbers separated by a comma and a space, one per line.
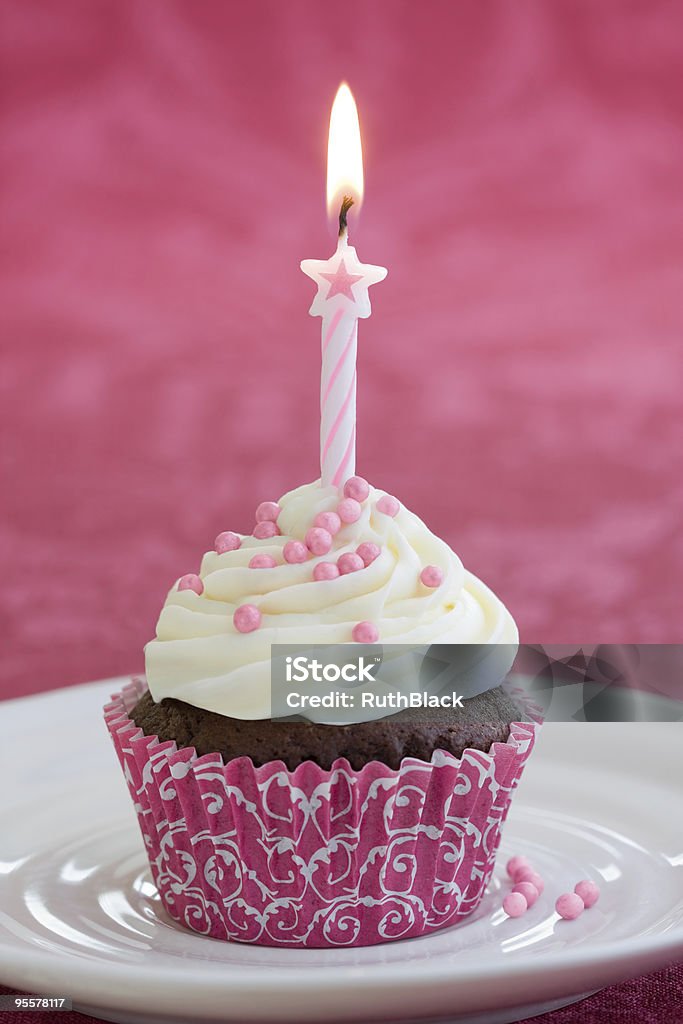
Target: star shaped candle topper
(342, 280)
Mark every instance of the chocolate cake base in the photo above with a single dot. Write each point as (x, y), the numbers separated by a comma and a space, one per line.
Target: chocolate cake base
(483, 720)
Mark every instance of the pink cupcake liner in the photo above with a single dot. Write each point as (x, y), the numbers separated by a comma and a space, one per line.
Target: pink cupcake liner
(313, 857)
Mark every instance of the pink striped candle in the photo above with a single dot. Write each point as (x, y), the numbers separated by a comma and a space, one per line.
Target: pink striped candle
(342, 297)
(342, 300)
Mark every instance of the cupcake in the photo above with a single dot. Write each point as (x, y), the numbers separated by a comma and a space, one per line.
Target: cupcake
(306, 832)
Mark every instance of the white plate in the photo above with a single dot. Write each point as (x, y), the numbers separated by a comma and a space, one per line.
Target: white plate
(79, 915)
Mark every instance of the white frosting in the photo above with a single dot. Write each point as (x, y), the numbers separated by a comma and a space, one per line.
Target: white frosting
(199, 657)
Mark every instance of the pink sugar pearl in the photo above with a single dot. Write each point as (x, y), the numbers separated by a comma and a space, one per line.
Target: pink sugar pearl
(191, 582)
(528, 891)
(389, 505)
(295, 551)
(349, 510)
(268, 511)
(368, 552)
(432, 576)
(365, 633)
(329, 521)
(350, 562)
(326, 571)
(569, 906)
(516, 864)
(262, 562)
(318, 541)
(266, 529)
(529, 875)
(588, 891)
(357, 488)
(247, 618)
(514, 904)
(227, 541)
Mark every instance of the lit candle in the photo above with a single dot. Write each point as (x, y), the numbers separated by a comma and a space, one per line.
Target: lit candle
(342, 297)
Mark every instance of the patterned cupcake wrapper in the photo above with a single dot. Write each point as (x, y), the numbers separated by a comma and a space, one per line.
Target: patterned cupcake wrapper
(316, 857)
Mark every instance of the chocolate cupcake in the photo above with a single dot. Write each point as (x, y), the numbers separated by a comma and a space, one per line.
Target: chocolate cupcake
(304, 832)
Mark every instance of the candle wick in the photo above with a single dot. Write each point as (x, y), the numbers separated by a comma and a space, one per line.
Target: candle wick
(347, 203)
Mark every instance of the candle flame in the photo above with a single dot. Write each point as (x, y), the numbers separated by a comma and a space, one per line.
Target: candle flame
(344, 153)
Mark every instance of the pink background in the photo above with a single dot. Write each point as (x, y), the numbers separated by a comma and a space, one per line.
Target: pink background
(163, 168)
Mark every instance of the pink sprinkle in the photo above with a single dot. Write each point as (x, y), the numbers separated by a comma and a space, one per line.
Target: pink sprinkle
(389, 505)
(191, 582)
(588, 891)
(365, 633)
(295, 551)
(350, 562)
(227, 541)
(318, 541)
(265, 529)
(368, 552)
(356, 487)
(432, 576)
(326, 571)
(268, 511)
(529, 875)
(247, 618)
(514, 904)
(516, 864)
(349, 510)
(528, 891)
(569, 905)
(262, 562)
(329, 521)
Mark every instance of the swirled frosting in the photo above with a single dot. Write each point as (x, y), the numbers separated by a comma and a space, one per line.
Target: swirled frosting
(199, 657)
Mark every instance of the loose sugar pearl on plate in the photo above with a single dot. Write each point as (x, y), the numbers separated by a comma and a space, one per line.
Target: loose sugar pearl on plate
(262, 562)
(356, 487)
(294, 551)
(318, 541)
(350, 562)
(329, 521)
(268, 511)
(326, 571)
(528, 891)
(247, 618)
(388, 505)
(349, 510)
(191, 582)
(227, 541)
(529, 875)
(516, 864)
(266, 529)
(365, 633)
(569, 906)
(588, 891)
(432, 576)
(514, 904)
(368, 552)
